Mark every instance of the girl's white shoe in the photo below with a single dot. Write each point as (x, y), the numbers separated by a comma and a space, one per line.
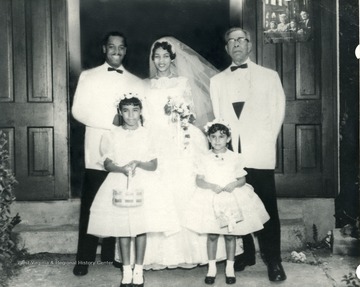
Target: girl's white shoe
(229, 270)
(138, 275)
(127, 275)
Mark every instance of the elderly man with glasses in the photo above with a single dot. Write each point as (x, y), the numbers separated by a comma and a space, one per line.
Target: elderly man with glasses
(251, 99)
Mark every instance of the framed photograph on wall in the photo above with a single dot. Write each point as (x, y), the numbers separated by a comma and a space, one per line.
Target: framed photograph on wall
(287, 21)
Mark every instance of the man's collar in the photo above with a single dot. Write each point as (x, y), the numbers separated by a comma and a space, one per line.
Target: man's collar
(247, 61)
(121, 67)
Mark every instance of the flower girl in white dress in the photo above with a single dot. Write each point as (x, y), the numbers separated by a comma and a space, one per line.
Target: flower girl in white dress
(129, 203)
(223, 203)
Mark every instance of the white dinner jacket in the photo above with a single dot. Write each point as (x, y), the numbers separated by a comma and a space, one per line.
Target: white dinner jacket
(94, 105)
(262, 115)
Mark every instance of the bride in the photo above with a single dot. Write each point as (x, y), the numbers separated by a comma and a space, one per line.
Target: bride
(178, 105)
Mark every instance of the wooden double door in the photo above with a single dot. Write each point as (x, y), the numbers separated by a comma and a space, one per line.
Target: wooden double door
(35, 98)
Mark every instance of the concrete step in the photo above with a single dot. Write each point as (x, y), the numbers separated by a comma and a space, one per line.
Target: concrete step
(53, 226)
(292, 234)
(345, 244)
(49, 226)
(63, 238)
(60, 239)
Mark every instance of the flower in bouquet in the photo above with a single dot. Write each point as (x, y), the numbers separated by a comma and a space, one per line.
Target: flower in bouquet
(179, 112)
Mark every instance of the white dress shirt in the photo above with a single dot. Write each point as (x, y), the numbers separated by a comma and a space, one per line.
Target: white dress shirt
(97, 93)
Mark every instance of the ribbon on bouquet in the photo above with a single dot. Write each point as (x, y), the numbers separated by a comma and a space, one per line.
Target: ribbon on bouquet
(227, 211)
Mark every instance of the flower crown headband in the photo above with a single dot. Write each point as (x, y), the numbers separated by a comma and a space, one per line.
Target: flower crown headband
(216, 121)
(127, 96)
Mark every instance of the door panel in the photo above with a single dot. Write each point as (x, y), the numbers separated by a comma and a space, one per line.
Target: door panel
(34, 104)
(38, 39)
(6, 67)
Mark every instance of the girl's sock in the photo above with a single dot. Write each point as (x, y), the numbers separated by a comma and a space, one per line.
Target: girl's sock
(229, 271)
(127, 274)
(138, 274)
(211, 268)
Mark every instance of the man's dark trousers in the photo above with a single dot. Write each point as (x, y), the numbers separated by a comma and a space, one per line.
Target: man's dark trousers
(263, 182)
(87, 244)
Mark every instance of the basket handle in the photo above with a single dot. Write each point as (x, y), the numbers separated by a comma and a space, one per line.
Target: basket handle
(130, 174)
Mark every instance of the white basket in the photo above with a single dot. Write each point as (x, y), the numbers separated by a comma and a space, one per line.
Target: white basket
(129, 197)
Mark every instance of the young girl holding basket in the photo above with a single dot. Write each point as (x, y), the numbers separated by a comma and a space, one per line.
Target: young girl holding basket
(128, 204)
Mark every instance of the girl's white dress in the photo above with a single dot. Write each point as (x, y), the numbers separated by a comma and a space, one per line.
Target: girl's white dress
(156, 214)
(209, 212)
(179, 151)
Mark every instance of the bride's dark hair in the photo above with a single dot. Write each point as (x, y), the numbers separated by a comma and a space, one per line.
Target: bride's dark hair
(166, 46)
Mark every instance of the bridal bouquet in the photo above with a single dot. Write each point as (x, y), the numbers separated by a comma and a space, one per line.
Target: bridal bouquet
(179, 112)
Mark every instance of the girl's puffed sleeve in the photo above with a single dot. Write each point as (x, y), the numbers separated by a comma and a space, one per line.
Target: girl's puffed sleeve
(106, 147)
(239, 166)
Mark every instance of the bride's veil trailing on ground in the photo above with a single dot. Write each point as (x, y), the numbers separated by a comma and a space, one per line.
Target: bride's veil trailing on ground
(193, 66)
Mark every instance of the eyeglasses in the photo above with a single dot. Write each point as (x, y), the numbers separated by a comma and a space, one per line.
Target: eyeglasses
(240, 40)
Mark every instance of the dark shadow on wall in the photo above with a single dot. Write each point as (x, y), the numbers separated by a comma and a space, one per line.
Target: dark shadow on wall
(347, 203)
(198, 23)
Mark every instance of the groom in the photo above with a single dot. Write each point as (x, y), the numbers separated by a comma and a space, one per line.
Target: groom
(94, 106)
(251, 99)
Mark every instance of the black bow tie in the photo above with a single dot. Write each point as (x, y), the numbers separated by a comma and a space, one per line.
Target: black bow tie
(110, 69)
(242, 66)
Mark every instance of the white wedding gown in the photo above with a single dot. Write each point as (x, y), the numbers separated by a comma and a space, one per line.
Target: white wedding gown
(179, 150)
